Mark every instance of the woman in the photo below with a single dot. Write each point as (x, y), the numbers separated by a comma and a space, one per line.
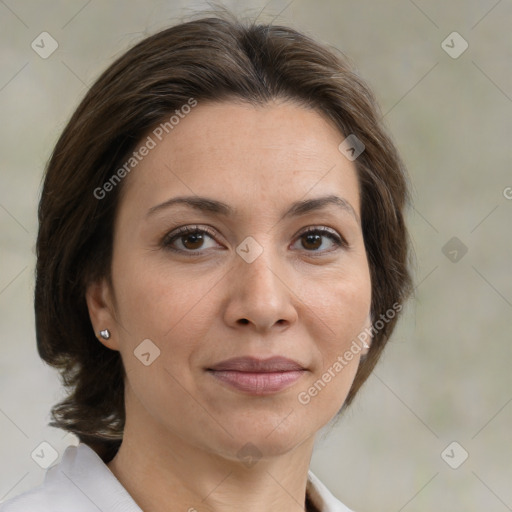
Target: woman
(221, 260)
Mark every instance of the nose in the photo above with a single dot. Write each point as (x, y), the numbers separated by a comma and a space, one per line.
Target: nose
(260, 295)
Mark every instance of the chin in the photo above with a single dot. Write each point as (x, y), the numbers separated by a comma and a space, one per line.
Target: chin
(266, 433)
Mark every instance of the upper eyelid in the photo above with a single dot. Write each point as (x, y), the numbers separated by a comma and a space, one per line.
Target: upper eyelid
(191, 228)
(188, 228)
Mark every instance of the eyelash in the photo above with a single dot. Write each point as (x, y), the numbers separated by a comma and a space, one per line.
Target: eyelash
(170, 238)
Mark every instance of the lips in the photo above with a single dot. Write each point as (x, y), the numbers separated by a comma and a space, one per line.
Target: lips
(251, 364)
(258, 376)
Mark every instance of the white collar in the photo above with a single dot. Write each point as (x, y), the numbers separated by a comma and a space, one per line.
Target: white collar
(82, 482)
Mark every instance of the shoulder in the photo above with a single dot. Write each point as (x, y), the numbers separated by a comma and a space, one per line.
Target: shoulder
(59, 490)
(33, 500)
(43, 498)
(80, 482)
(322, 498)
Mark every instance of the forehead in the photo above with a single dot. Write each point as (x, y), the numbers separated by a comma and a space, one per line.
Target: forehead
(240, 153)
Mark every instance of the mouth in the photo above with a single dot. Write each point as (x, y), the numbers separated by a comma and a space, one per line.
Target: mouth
(258, 376)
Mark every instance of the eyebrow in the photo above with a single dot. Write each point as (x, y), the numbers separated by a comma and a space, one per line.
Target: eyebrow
(297, 208)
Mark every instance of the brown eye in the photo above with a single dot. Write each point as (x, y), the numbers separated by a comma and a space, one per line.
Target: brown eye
(192, 241)
(313, 239)
(187, 239)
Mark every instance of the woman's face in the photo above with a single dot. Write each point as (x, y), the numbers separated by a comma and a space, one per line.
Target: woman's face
(248, 281)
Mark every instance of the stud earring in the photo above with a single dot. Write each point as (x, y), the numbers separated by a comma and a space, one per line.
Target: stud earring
(105, 334)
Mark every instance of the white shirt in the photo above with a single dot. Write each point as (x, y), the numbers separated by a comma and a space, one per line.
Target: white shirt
(82, 482)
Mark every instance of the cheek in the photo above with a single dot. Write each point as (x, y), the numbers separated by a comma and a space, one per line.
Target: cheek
(153, 298)
(158, 303)
(341, 304)
(339, 313)
(175, 310)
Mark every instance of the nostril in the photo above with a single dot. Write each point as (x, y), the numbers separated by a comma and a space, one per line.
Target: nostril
(244, 321)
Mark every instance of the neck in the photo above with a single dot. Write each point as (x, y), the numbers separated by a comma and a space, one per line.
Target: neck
(164, 473)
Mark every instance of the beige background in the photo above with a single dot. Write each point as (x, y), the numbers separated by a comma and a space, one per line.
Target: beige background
(446, 375)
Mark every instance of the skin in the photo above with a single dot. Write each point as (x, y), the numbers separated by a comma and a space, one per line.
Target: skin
(302, 299)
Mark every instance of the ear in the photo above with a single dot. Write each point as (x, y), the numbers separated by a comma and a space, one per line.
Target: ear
(98, 296)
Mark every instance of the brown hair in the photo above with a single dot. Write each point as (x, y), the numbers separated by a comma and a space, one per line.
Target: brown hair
(216, 58)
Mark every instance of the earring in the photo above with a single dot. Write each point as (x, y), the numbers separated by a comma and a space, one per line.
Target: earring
(105, 334)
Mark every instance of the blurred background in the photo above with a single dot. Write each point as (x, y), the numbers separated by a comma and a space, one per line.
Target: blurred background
(431, 429)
